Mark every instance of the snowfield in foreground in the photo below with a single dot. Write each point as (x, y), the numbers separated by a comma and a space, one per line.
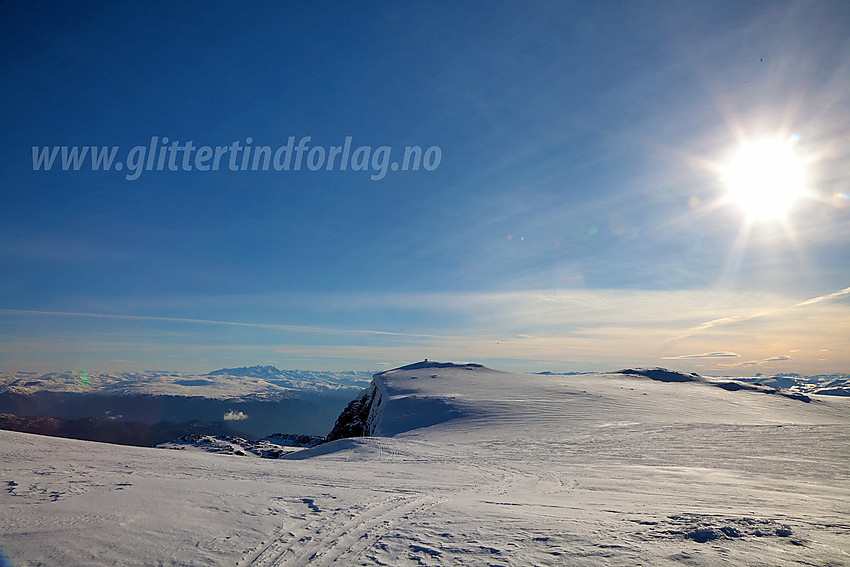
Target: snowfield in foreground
(468, 466)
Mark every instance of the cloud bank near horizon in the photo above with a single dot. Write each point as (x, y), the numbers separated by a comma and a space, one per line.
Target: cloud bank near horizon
(566, 329)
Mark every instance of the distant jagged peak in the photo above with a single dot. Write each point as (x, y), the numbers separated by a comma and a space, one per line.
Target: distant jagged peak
(257, 370)
(662, 374)
(433, 364)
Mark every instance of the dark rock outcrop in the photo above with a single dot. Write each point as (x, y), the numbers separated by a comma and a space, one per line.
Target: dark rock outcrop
(353, 421)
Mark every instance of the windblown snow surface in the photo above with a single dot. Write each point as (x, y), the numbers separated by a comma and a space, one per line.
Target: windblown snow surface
(467, 466)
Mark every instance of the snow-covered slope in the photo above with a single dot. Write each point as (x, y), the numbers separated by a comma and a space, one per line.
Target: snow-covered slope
(823, 384)
(416, 397)
(411, 407)
(468, 466)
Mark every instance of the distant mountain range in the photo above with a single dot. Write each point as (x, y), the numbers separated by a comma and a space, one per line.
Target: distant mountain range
(823, 384)
(144, 408)
(255, 382)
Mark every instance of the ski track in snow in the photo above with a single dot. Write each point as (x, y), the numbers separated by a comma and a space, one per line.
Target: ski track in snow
(321, 539)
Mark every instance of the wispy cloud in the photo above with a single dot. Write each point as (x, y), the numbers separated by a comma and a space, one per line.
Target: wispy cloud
(780, 358)
(719, 323)
(703, 355)
(297, 328)
(829, 297)
(733, 319)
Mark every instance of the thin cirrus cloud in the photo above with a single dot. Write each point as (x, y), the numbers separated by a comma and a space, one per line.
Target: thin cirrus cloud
(780, 358)
(299, 328)
(703, 355)
(828, 297)
(733, 319)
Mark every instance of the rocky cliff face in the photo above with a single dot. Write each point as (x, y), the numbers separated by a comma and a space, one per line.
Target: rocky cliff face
(354, 421)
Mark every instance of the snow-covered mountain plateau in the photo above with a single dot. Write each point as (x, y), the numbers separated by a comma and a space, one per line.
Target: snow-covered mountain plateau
(458, 464)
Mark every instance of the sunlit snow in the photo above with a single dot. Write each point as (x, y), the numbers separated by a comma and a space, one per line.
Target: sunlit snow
(467, 466)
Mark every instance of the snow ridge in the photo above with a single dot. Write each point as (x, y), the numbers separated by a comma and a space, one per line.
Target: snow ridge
(662, 374)
(366, 416)
(432, 364)
(665, 375)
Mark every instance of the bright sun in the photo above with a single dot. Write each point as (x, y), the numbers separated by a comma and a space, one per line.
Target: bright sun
(765, 178)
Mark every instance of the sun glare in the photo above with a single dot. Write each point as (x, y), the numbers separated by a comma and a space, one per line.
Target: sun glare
(765, 178)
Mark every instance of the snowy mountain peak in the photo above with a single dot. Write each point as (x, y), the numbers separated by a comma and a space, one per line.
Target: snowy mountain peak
(397, 401)
(432, 364)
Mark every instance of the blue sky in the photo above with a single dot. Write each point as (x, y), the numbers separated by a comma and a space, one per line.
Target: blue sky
(576, 219)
